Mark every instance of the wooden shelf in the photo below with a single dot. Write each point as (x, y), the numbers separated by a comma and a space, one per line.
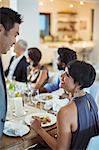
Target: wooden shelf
(68, 22)
(66, 30)
(67, 13)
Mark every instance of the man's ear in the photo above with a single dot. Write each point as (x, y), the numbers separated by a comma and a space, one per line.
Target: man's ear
(1, 28)
(63, 65)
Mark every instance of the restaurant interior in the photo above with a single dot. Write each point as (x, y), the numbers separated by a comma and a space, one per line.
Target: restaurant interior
(71, 23)
(48, 25)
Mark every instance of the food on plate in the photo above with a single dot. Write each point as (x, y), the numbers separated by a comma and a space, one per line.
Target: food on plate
(43, 119)
(62, 97)
(65, 95)
(47, 97)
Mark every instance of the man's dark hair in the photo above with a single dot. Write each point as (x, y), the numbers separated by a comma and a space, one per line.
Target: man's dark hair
(83, 73)
(66, 55)
(9, 17)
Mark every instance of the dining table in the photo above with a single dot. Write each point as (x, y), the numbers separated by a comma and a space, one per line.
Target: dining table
(30, 107)
(31, 138)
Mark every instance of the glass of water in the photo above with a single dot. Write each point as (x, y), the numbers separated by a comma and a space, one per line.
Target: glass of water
(35, 99)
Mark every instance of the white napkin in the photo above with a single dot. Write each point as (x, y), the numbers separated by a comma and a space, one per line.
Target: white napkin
(14, 130)
(19, 132)
(56, 104)
(48, 105)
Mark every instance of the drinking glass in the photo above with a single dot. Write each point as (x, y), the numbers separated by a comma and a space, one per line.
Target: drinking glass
(35, 99)
(19, 109)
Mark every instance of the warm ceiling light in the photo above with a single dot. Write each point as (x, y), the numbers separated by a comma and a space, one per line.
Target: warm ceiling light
(0, 0)
(71, 5)
(41, 3)
(82, 2)
(51, 0)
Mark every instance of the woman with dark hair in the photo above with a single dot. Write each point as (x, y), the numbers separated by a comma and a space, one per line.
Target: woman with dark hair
(37, 73)
(78, 121)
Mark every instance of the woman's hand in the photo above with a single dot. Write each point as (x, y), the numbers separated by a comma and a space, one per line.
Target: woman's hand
(36, 124)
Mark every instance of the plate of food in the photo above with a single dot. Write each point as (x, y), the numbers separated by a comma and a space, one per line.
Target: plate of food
(47, 119)
(15, 129)
(45, 97)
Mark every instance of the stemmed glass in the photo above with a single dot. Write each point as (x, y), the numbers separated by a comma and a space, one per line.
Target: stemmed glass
(28, 92)
(35, 99)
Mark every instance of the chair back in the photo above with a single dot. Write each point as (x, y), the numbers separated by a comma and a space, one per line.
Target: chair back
(93, 143)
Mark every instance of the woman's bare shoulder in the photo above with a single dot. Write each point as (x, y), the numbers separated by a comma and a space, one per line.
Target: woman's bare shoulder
(68, 110)
(69, 107)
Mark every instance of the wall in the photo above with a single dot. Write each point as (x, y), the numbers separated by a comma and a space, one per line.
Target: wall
(4, 3)
(95, 54)
(84, 13)
(30, 27)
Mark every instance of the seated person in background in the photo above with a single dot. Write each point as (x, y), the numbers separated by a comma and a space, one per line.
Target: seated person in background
(65, 56)
(37, 73)
(78, 121)
(17, 68)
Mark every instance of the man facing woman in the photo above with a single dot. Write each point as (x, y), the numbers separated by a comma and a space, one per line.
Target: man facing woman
(9, 29)
(78, 121)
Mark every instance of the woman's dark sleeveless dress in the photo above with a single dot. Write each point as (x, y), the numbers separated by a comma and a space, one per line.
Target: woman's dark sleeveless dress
(88, 122)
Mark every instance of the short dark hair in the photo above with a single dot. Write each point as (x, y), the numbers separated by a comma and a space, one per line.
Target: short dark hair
(66, 54)
(35, 55)
(83, 73)
(9, 17)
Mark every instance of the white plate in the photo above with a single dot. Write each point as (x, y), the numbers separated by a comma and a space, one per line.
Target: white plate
(28, 118)
(15, 129)
(46, 97)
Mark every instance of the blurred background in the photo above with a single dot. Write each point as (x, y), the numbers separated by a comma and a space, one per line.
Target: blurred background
(49, 24)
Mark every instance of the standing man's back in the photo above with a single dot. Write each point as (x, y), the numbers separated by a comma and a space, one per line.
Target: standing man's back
(9, 29)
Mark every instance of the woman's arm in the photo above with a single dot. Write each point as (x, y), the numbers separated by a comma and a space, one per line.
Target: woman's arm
(64, 129)
(36, 125)
(64, 124)
(41, 79)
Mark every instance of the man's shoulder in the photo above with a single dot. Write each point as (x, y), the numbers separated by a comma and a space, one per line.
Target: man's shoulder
(23, 58)
(23, 61)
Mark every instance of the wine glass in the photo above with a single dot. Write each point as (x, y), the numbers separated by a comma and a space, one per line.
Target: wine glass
(27, 93)
(35, 99)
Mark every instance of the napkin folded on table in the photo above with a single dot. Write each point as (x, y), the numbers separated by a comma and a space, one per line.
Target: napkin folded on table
(48, 105)
(19, 132)
(15, 131)
(56, 104)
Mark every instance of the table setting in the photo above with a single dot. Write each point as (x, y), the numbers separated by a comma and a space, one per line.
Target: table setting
(52, 101)
(22, 108)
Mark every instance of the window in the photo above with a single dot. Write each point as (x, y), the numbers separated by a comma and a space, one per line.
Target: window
(44, 22)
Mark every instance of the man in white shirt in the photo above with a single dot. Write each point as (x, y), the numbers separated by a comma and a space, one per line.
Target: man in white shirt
(17, 68)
